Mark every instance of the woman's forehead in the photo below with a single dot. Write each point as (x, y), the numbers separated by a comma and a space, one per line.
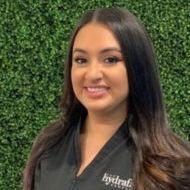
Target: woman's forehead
(95, 36)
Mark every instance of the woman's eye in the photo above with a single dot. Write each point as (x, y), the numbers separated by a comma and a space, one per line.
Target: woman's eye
(79, 60)
(112, 60)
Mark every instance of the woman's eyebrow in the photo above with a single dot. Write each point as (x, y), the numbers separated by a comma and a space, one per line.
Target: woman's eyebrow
(101, 51)
(79, 50)
(110, 49)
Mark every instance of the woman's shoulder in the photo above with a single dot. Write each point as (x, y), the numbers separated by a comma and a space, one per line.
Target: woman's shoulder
(56, 137)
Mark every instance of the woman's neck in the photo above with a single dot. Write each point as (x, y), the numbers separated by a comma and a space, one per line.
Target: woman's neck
(102, 126)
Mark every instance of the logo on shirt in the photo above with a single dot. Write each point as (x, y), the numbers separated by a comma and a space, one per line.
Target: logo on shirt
(117, 182)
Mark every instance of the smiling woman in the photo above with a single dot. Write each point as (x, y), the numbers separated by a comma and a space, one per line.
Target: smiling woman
(94, 72)
(113, 133)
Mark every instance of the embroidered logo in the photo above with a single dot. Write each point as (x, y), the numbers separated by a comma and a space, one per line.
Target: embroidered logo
(117, 182)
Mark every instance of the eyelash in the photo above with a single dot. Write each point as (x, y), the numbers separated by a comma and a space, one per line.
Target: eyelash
(79, 59)
(107, 60)
(112, 60)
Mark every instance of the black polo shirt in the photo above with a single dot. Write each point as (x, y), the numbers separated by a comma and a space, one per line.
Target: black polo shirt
(111, 169)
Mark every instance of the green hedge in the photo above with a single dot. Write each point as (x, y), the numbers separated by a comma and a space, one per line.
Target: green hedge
(34, 37)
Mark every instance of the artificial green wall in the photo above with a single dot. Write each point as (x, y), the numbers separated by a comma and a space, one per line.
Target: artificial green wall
(34, 36)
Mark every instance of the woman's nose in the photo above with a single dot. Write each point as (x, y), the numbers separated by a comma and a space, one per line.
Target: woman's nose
(94, 71)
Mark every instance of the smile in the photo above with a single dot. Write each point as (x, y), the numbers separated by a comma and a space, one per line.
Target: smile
(96, 92)
(97, 89)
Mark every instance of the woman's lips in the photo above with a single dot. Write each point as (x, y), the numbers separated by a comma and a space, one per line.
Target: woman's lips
(96, 92)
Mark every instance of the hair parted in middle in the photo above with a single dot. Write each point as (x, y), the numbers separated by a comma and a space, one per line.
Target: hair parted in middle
(144, 86)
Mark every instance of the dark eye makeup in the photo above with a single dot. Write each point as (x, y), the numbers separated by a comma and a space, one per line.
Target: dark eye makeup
(106, 60)
(80, 60)
(112, 59)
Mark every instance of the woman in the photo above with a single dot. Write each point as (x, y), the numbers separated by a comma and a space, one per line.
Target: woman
(113, 133)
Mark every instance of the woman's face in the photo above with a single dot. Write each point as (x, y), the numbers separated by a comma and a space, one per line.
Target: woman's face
(98, 73)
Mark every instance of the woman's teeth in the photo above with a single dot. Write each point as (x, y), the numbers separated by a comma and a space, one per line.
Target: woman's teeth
(96, 89)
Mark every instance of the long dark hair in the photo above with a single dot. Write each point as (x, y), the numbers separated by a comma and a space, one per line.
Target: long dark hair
(160, 157)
